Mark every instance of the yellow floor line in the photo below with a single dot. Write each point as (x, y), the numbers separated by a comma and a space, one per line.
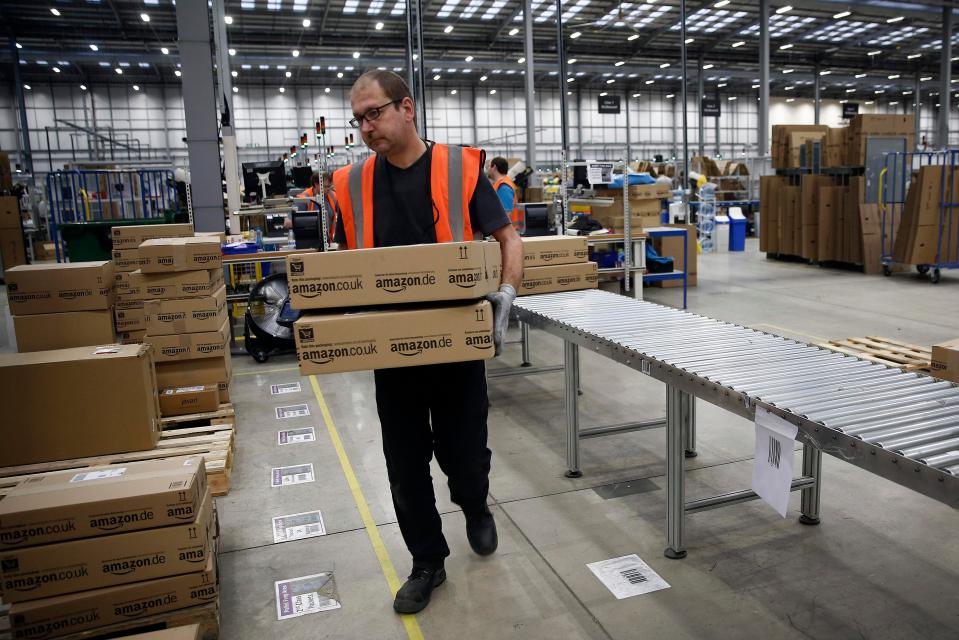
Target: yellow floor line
(254, 372)
(386, 564)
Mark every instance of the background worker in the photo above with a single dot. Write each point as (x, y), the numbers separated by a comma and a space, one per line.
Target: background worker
(313, 193)
(425, 192)
(505, 189)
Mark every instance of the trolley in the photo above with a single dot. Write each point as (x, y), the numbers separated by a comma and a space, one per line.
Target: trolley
(894, 184)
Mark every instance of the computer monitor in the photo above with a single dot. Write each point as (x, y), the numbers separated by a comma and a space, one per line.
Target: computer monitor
(257, 175)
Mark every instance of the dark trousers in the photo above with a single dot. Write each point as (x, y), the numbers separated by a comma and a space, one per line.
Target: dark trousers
(431, 409)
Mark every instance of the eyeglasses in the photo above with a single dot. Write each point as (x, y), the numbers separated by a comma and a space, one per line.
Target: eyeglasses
(371, 114)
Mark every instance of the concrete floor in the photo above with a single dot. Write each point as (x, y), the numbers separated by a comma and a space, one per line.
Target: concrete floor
(883, 563)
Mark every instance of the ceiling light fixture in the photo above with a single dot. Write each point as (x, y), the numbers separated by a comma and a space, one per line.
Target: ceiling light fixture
(720, 85)
(492, 92)
(289, 74)
(56, 69)
(236, 90)
(136, 87)
(436, 77)
(611, 81)
(83, 87)
(860, 75)
(894, 76)
(871, 102)
(874, 53)
(306, 23)
(825, 73)
(378, 26)
(228, 19)
(326, 90)
(635, 36)
(448, 29)
(234, 73)
(664, 65)
(636, 95)
(453, 92)
(55, 12)
(20, 46)
(469, 58)
(785, 9)
(177, 73)
(145, 17)
(650, 82)
(731, 98)
(787, 71)
(166, 51)
(119, 71)
(603, 93)
(690, 40)
(736, 45)
(232, 52)
(483, 78)
(27, 87)
(913, 56)
(670, 96)
(521, 60)
(574, 35)
(850, 91)
(925, 78)
(571, 61)
(356, 55)
(788, 45)
(513, 32)
(282, 89)
(721, 3)
(756, 86)
(896, 19)
(707, 67)
(790, 99)
(842, 14)
(296, 53)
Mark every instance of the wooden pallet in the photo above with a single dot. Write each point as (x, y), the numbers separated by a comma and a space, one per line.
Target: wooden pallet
(207, 616)
(908, 357)
(223, 415)
(216, 443)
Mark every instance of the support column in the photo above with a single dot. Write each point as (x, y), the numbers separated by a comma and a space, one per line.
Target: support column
(763, 109)
(231, 167)
(917, 106)
(579, 122)
(701, 93)
(27, 152)
(685, 105)
(816, 92)
(530, 94)
(410, 65)
(199, 108)
(945, 78)
(629, 132)
(421, 85)
(716, 125)
(475, 119)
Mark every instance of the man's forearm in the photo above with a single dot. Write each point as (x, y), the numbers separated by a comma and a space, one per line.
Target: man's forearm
(511, 249)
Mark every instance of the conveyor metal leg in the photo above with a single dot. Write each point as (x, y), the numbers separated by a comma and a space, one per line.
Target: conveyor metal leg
(571, 362)
(689, 424)
(809, 499)
(675, 473)
(524, 338)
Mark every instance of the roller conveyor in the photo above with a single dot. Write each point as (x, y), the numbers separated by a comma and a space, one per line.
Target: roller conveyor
(901, 426)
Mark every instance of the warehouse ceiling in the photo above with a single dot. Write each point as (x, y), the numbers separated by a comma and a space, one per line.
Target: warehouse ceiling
(623, 46)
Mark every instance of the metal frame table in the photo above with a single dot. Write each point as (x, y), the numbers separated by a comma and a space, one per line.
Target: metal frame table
(901, 426)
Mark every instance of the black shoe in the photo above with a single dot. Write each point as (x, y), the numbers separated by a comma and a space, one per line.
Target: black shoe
(481, 532)
(415, 593)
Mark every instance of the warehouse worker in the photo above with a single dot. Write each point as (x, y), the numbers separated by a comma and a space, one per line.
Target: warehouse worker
(411, 192)
(313, 193)
(505, 188)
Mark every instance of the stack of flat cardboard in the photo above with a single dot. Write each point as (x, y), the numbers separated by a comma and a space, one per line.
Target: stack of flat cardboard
(929, 227)
(788, 140)
(56, 306)
(6, 175)
(454, 326)
(129, 319)
(866, 126)
(79, 402)
(88, 548)
(180, 284)
(645, 207)
(557, 263)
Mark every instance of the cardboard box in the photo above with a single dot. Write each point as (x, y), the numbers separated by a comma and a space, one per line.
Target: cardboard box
(73, 403)
(164, 255)
(131, 237)
(566, 277)
(187, 373)
(53, 569)
(390, 275)
(178, 401)
(53, 288)
(12, 250)
(945, 360)
(357, 341)
(219, 235)
(185, 284)
(188, 632)
(95, 501)
(190, 346)
(44, 251)
(9, 212)
(131, 337)
(69, 614)
(130, 319)
(548, 250)
(6, 176)
(127, 260)
(186, 315)
(46, 331)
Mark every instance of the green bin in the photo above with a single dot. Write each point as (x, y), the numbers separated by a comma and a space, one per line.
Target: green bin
(87, 241)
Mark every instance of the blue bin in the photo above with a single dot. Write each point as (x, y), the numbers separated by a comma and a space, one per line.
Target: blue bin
(737, 230)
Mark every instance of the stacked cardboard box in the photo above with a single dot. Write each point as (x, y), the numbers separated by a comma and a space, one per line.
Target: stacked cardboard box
(73, 403)
(184, 314)
(645, 207)
(788, 141)
(12, 251)
(56, 306)
(6, 175)
(866, 126)
(85, 549)
(945, 360)
(128, 315)
(672, 246)
(929, 225)
(557, 263)
(454, 325)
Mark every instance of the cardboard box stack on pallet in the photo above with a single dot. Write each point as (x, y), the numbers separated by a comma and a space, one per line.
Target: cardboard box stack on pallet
(645, 207)
(87, 549)
(129, 318)
(823, 217)
(56, 306)
(427, 301)
(557, 263)
(180, 283)
(12, 251)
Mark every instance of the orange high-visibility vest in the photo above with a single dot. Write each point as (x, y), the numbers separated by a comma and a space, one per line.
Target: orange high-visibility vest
(454, 171)
(330, 208)
(516, 215)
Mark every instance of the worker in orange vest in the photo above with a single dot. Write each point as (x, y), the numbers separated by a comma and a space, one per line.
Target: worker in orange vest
(313, 193)
(414, 191)
(505, 189)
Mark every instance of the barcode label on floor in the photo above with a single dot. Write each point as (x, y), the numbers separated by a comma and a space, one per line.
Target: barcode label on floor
(297, 526)
(302, 596)
(627, 576)
(296, 474)
(284, 388)
(292, 411)
(295, 436)
(775, 452)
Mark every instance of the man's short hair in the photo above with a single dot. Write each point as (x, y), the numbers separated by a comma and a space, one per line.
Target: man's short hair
(501, 165)
(315, 178)
(391, 83)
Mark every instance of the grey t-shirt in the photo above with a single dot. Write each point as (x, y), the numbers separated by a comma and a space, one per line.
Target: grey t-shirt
(403, 210)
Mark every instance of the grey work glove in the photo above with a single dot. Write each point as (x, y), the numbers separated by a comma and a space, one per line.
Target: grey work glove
(502, 301)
